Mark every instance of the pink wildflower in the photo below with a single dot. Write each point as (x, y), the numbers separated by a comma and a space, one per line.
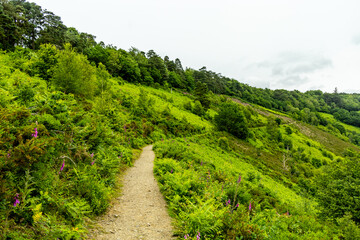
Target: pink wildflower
(239, 180)
(62, 166)
(250, 206)
(35, 134)
(16, 200)
(186, 236)
(92, 155)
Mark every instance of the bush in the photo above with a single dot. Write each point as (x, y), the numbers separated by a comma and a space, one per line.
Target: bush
(231, 119)
(338, 188)
(74, 74)
(224, 143)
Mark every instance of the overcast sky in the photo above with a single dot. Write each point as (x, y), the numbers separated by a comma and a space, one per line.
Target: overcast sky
(304, 44)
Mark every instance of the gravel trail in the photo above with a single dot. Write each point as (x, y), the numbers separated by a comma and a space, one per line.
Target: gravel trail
(141, 211)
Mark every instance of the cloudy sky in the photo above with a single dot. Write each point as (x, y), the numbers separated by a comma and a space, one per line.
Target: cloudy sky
(304, 45)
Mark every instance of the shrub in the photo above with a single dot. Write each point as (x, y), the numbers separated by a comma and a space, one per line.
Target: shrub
(224, 143)
(338, 188)
(74, 74)
(231, 119)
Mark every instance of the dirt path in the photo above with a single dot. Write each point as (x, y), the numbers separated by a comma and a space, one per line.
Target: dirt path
(140, 212)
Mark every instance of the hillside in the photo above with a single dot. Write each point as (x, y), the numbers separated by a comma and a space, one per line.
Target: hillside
(233, 161)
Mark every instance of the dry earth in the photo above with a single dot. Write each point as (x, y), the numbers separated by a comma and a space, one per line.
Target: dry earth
(141, 211)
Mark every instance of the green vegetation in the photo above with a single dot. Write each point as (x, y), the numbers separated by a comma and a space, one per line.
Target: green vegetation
(233, 161)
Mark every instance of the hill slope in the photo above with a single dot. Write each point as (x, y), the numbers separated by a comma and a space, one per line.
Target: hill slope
(249, 164)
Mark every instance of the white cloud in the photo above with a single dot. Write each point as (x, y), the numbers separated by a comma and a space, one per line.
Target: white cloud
(356, 39)
(291, 70)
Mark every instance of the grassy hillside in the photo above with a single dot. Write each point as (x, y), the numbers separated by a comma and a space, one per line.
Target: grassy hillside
(233, 161)
(61, 151)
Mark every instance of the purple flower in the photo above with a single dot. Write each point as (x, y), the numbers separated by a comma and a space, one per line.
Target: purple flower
(8, 155)
(92, 155)
(171, 171)
(92, 163)
(162, 139)
(16, 200)
(239, 180)
(62, 166)
(186, 236)
(250, 206)
(198, 236)
(35, 134)
(228, 202)
(237, 205)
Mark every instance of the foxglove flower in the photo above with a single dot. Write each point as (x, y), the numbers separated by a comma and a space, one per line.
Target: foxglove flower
(35, 134)
(62, 166)
(16, 200)
(239, 180)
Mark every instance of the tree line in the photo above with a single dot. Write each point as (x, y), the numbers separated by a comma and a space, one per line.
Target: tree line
(25, 24)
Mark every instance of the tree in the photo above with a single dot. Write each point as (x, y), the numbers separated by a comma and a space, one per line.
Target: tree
(80, 41)
(10, 32)
(231, 119)
(201, 95)
(339, 189)
(158, 68)
(175, 80)
(34, 18)
(47, 58)
(189, 79)
(98, 54)
(74, 74)
(53, 30)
